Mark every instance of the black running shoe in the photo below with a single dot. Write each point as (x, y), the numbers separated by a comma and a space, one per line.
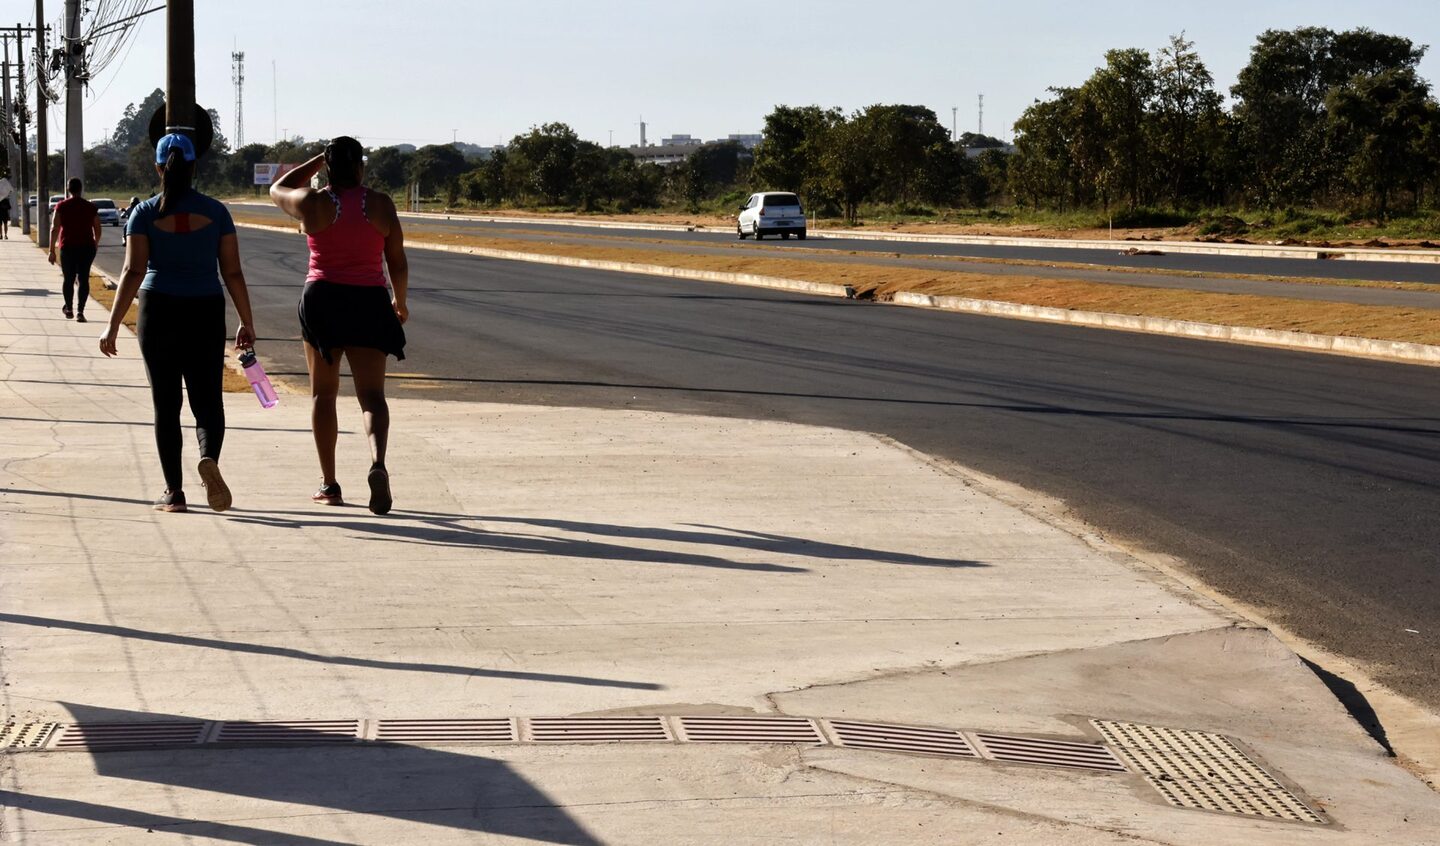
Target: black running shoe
(80, 318)
(380, 500)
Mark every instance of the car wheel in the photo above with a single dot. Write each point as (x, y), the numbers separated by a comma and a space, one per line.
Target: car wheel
(759, 233)
(740, 233)
(801, 234)
(784, 236)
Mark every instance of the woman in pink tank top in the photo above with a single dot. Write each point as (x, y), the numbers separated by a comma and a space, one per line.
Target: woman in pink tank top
(346, 309)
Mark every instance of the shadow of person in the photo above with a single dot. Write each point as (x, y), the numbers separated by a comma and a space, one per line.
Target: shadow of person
(454, 789)
(454, 531)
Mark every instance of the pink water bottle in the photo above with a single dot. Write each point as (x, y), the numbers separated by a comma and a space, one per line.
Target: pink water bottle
(264, 391)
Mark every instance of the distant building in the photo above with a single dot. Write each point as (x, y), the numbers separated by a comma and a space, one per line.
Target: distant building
(663, 154)
(974, 152)
(681, 141)
(747, 140)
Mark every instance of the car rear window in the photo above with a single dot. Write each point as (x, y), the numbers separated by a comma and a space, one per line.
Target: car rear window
(104, 204)
(772, 200)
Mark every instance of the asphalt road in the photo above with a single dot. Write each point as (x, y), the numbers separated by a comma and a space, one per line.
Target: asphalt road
(1303, 484)
(1232, 265)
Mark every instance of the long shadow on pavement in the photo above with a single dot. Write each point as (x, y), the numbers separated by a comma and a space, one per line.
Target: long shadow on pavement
(302, 655)
(424, 785)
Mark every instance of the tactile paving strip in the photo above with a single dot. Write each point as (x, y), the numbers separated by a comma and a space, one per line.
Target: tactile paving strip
(749, 730)
(1204, 771)
(26, 735)
(886, 737)
(421, 732)
(1047, 753)
(98, 736)
(595, 730)
(268, 732)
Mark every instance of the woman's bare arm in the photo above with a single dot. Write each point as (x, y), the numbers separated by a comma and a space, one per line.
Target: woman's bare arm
(292, 192)
(137, 255)
(395, 259)
(234, 277)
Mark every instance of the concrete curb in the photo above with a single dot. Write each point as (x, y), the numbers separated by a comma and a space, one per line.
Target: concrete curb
(1368, 347)
(1178, 247)
(1339, 344)
(818, 288)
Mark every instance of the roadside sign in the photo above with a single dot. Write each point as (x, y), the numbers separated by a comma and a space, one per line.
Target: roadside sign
(267, 174)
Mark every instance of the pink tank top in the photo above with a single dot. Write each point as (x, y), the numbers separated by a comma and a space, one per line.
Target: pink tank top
(350, 251)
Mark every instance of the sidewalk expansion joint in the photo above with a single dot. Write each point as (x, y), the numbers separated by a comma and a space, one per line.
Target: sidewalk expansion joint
(1192, 770)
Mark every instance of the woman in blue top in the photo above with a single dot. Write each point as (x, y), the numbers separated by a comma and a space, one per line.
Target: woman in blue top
(174, 243)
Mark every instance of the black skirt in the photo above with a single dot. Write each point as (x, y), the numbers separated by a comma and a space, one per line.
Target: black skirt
(334, 316)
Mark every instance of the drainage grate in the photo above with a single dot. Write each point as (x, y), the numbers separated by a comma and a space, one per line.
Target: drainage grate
(497, 730)
(750, 730)
(893, 738)
(597, 730)
(1047, 753)
(1198, 769)
(26, 735)
(294, 731)
(90, 736)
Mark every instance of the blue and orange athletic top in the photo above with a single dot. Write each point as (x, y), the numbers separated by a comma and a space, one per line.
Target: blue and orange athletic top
(186, 261)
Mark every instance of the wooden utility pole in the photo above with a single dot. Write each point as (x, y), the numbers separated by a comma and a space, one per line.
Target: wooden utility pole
(42, 159)
(179, 67)
(20, 122)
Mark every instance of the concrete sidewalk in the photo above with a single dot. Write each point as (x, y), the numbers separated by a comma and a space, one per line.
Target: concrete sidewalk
(547, 562)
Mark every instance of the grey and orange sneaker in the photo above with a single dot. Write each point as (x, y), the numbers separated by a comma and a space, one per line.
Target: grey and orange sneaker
(217, 493)
(171, 501)
(328, 495)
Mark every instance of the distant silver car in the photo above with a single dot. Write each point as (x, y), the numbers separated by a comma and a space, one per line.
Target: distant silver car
(109, 212)
(771, 213)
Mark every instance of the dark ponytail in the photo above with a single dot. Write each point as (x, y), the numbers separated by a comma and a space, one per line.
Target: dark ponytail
(343, 159)
(176, 181)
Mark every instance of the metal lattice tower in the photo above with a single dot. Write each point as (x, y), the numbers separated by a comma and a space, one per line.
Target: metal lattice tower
(237, 63)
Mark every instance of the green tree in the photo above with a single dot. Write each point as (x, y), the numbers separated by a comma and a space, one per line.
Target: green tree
(134, 125)
(851, 164)
(1280, 118)
(1188, 126)
(1044, 172)
(437, 167)
(544, 158)
(905, 138)
(1384, 119)
(790, 156)
(388, 168)
(1119, 94)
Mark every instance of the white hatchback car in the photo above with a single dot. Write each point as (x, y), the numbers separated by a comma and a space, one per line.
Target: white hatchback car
(771, 213)
(109, 214)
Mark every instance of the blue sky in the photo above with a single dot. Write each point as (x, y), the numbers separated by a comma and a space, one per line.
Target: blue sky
(425, 71)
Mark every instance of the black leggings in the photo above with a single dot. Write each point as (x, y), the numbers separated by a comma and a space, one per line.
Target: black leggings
(183, 339)
(75, 265)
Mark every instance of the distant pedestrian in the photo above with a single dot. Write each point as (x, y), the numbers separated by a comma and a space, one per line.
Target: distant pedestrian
(176, 240)
(6, 190)
(75, 230)
(345, 310)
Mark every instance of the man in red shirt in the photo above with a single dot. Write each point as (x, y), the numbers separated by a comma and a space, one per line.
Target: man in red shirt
(76, 232)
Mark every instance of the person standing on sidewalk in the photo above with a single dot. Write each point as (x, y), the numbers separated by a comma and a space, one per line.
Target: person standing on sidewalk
(6, 190)
(345, 309)
(76, 232)
(175, 242)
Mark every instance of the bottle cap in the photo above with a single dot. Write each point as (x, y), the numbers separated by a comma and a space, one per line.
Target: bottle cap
(247, 358)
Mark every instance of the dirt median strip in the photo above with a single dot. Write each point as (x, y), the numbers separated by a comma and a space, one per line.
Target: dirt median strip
(1389, 323)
